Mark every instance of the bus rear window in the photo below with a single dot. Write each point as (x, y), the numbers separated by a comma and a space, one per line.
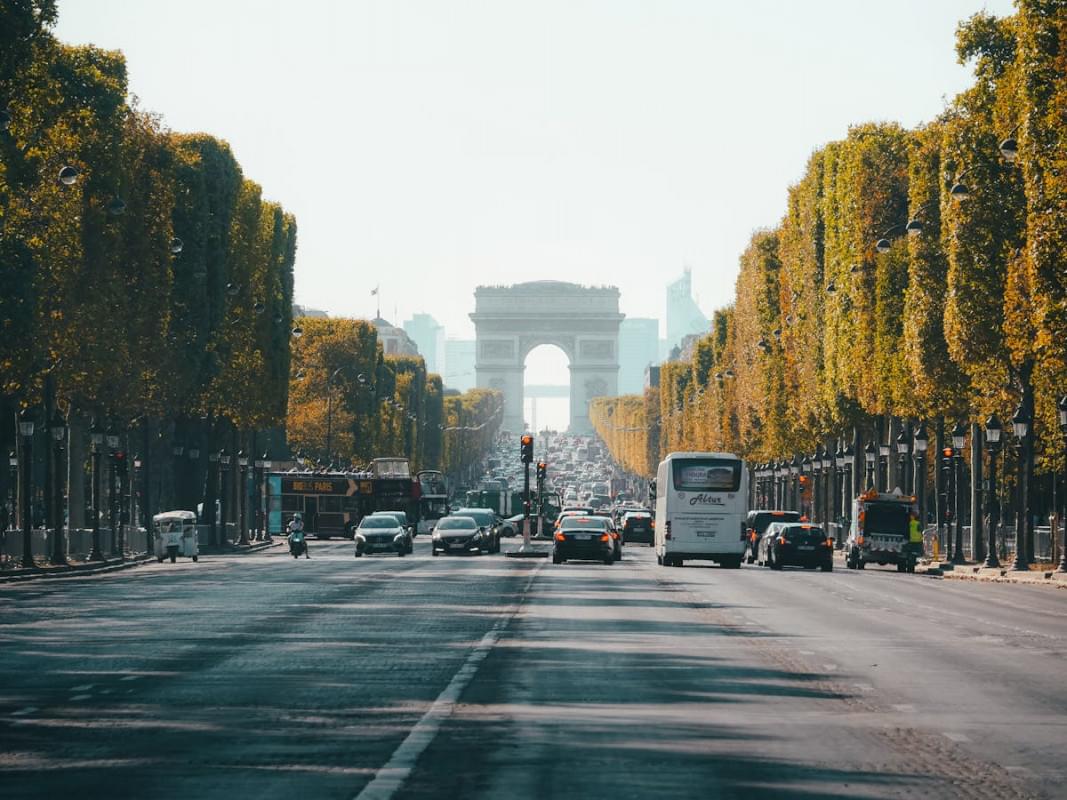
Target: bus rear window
(707, 475)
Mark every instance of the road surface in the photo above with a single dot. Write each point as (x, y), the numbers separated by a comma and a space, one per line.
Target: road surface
(484, 677)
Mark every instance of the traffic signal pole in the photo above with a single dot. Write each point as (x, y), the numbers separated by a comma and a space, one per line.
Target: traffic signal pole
(526, 447)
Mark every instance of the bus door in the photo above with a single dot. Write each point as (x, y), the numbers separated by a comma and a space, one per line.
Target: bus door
(311, 513)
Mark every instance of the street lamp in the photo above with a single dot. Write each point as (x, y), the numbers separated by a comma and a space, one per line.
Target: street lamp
(959, 439)
(1020, 424)
(26, 425)
(903, 445)
(13, 478)
(993, 431)
(112, 439)
(921, 440)
(1062, 408)
(849, 461)
(883, 457)
(96, 440)
(242, 496)
(211, 487)
(794, 478)
(869, 455)
(224, 493)
(58, 428)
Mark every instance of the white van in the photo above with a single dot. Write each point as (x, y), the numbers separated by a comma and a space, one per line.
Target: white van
(701, 505)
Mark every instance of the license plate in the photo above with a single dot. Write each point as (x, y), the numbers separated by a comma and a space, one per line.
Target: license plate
(706, 534)
(806, 547)
(585, 537)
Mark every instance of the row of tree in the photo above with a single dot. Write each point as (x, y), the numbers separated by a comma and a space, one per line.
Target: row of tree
(917, 274)
(349, 403)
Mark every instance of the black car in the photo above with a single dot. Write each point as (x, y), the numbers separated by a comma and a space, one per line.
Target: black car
(489, 523)
(584, 538)
(460, 534)
(796, 544)
(756, 525)
(638, 526)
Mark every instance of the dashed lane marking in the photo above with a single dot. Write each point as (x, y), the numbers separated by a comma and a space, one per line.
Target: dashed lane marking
(391, 777)
(957, 737)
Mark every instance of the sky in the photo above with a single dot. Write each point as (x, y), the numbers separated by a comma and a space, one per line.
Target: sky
(431, 146)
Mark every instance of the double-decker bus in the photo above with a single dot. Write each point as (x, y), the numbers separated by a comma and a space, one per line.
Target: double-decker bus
(333, 503)
(433, 498)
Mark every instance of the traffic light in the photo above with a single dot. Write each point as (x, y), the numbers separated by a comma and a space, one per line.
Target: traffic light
(542, 470)
(526, 448)
(120, 462)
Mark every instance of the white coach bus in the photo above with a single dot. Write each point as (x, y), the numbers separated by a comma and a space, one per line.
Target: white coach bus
(701, 504)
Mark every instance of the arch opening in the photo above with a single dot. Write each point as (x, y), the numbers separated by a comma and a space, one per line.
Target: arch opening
(546, 388)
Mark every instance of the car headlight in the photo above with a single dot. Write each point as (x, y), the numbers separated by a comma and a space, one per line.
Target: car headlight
(399, 537)
(477, 535)
(360, 537)
(436, 535)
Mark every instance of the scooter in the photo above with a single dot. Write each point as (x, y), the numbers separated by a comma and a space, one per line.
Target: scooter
(297, 546)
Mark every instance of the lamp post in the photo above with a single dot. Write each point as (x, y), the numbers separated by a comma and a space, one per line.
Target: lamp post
(959, 439)
(817, 485)
(26, 426)
(1062, 408)
(12, 490)
(920, 442)
(883, 458)
(794, 479)
(112, 490)
(224, 468)
(828, 489)
(58, 428)
(993, 431)
(264, 495)
(177, 450)
(257, 492)
(242, 496)
(1020, 424)
(869, 456)
(96, 439)
(903, 445)
(849, 461)
(211, 487)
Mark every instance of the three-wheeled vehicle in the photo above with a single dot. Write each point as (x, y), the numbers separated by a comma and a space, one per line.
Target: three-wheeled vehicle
(174, 534)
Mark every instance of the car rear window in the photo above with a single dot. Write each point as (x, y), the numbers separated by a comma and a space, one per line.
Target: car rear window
(760, 521)
(707, 474)
(585, 523)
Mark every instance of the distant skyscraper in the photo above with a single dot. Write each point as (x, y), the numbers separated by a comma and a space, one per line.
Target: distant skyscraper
(459, 364)
(638, 349)
(684, 317)
(429, 337)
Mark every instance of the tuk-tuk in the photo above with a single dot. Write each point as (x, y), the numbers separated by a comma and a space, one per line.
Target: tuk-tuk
(174, 534)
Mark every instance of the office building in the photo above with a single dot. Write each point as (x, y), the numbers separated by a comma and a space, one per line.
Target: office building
(429, 337)
(638, 349)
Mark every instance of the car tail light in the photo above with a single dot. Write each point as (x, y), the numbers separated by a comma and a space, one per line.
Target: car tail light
(829, 542)
(782, 540)
(605, 538)
(652, 523)
(859, 541)
(559, 537)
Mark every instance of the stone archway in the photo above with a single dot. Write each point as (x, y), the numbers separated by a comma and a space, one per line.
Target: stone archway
(583, 321)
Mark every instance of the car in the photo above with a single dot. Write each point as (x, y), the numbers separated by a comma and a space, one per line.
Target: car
(799, 544)
(585, 538)
(639, 526)
(512, 526)
(487, 520)
(402, 517)
(460, 534)
(756, 523)
(382, 533)
(613, 529)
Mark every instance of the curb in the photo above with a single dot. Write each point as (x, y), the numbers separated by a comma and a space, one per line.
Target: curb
(1057, 580)
(74, 570)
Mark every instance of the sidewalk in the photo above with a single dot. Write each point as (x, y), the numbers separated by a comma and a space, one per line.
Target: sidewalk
(72, 569)
(976, 572)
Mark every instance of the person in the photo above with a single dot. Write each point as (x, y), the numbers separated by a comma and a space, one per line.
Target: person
(915, 535)
(296, 528)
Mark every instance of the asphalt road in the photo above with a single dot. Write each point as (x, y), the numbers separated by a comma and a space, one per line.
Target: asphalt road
(261, 676)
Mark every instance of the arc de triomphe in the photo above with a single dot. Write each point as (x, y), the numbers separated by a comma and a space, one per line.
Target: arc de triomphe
(583, 321)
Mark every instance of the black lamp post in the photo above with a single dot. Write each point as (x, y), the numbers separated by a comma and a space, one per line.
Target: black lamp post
(1020, 424)
(959, 439)
(112, 489)
(242, 496)
(993, 431)
(1063, 520)
(96, 439)
(807, 475)
(869, 456)
(211, 486)
(263, 527)
(178, 449)
(26, 426)
(829, 481)
(817, 485)
(224, 469)
(919, 443)
(794, 480)
(903, 445)
(12, 490)
(58, 428)
(883, 458)
(849, 461)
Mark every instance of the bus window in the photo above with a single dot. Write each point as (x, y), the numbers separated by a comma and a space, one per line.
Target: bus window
(707, 475)
(331, 504)
(292, 502)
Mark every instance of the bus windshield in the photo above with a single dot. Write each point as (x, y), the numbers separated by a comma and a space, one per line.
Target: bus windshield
(707, 474)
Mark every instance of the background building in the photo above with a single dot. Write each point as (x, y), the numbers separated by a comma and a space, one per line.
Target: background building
(638, 349)
(458, 372)
(684, 316)
(395, 342)
(429, 337)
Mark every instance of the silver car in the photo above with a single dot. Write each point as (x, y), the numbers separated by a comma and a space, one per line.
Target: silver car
(381, 534)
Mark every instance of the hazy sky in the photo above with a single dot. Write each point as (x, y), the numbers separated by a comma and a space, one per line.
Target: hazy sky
(434, 146)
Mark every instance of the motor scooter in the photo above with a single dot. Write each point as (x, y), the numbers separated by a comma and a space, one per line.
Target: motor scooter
(297, 546)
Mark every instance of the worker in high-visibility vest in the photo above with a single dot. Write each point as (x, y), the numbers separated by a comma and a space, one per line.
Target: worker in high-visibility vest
(915, 535)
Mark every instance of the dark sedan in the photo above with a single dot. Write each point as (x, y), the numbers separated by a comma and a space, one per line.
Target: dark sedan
(460, 535)
(786, 544)
(584, 538)
(637, 526)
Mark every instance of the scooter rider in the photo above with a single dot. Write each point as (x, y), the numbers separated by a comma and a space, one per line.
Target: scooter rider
(296, 529)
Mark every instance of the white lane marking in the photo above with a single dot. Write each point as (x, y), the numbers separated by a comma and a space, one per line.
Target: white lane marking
(130, 678)
(957, 737)
(84, 688)
(391, 777)
(829, 667)
(904, 708)
(24, 711)
(81, 697)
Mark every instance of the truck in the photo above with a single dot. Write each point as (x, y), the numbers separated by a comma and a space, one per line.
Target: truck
(879, 533)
